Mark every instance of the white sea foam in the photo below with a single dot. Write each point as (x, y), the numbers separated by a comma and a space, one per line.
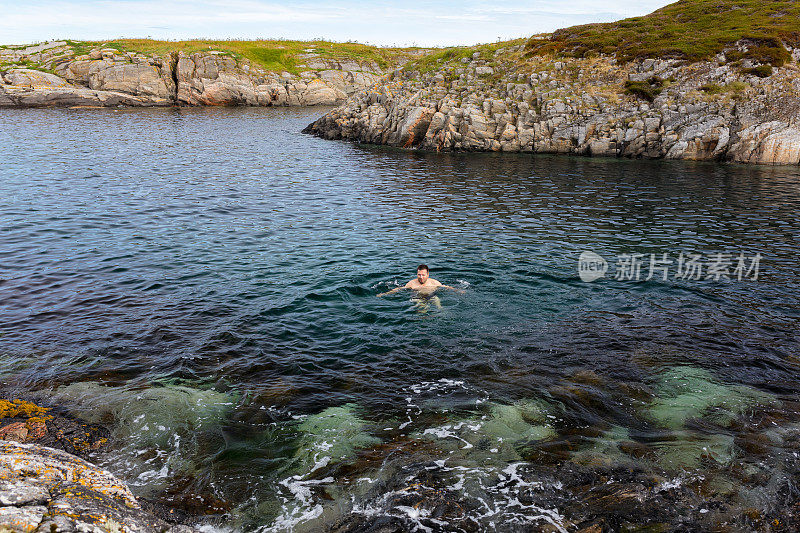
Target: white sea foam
(213, 528)
(299, 506)
(496, 489)
(669, 485)
(492, 476)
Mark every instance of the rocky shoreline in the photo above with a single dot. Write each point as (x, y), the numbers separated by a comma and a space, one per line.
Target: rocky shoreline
(44, 488)
(511, 101)
(496, 99)
(55, 76)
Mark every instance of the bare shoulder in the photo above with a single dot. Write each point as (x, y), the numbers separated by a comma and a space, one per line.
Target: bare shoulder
(413, 283)
(435, 282)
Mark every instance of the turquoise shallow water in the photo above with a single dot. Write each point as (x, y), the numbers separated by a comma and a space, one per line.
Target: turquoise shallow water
(205, 280)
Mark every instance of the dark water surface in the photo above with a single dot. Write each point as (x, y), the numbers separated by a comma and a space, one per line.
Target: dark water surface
(206, 280)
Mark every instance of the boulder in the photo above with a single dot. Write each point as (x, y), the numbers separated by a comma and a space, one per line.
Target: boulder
(24, 77)
(45, 490)
(411, 131)
(772, 143)
(317, 92)
(133, 78)
(213, 80)
(76, 71)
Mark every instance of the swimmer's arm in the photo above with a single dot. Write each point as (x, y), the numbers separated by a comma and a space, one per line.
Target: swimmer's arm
(406, 286)
(460, 291)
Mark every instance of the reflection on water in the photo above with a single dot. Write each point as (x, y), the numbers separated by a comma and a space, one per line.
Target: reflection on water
(206, 279)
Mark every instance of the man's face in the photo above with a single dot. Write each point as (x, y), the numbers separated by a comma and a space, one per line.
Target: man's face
(422, 276)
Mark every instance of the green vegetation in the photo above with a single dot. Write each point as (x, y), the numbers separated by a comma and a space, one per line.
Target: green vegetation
(766, 51)
(273, 55)
(435, 60)
(689, 29)
(30, 65)
(762, 71)
(736, 88)
(712, 88)
(647, 89)
(80, 47)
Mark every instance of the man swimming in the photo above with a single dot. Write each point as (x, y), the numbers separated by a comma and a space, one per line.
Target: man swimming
(423, 285)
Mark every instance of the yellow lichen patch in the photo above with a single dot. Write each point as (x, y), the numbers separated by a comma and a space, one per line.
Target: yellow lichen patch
(21, 408)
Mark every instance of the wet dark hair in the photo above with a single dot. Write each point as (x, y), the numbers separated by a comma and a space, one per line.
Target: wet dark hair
(423, 267)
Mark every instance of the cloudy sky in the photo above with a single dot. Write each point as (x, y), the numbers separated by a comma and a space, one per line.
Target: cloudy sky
(403, 23)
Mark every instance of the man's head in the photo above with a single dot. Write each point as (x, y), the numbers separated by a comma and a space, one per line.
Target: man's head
(422, 273)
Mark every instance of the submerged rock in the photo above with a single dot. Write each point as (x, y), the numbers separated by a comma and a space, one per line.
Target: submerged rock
(157, 431)
(688, 451)
(685, 392)
(332, 435)
(495, 437)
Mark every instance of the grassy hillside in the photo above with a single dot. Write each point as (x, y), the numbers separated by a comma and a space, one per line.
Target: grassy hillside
(436, 58)
(688, 29)
(273, 55)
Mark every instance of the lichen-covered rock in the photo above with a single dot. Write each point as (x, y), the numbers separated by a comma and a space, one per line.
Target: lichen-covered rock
(21, 519)
(24, 421)
(22, 492)
(48, 490)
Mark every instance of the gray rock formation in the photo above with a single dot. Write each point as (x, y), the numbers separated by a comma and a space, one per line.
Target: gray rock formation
(109, 77)
(48, 490)
(579, 106)
(23, 77)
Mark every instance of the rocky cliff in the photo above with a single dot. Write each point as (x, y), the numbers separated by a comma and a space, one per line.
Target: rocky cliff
(507, 99)
(52, 74)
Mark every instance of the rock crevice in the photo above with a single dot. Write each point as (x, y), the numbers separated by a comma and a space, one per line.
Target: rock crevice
(173, 70)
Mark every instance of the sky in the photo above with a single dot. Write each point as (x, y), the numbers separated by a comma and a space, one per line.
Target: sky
(406, 23)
